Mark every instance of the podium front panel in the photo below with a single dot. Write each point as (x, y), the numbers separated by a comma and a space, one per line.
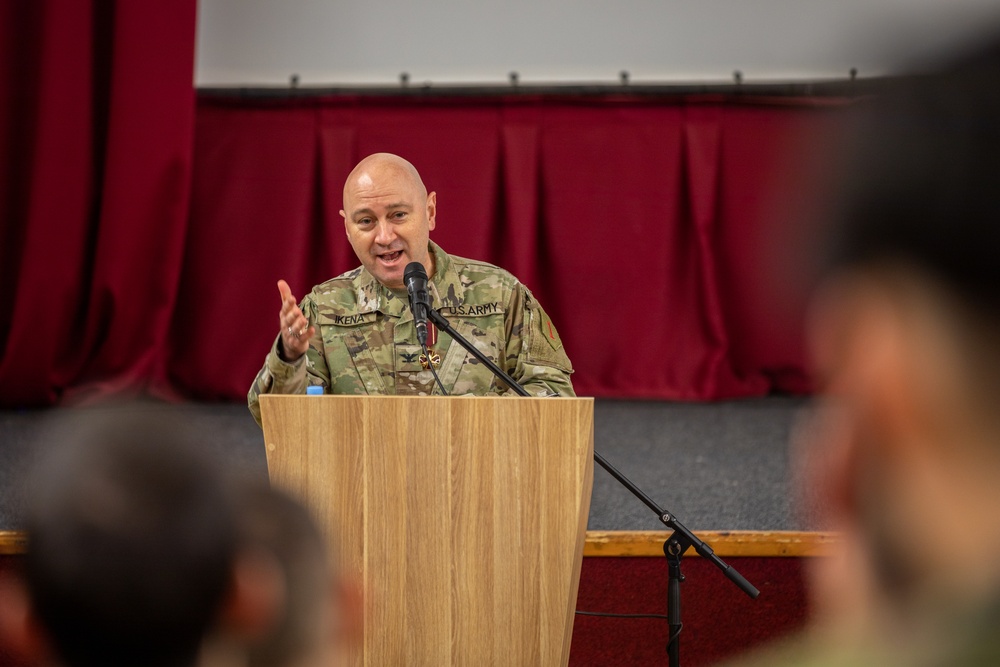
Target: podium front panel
(462, 518)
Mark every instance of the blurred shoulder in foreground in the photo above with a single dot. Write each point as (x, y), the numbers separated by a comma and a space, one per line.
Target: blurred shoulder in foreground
(903, 451)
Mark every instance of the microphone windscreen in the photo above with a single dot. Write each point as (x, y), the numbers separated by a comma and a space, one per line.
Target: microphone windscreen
(414, 270)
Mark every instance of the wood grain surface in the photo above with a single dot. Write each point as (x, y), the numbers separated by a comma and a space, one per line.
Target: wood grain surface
(464, 519)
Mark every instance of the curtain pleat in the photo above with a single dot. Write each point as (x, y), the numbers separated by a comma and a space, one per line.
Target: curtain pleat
(96, 111)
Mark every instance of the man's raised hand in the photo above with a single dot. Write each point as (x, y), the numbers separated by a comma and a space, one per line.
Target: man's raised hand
(295, 329)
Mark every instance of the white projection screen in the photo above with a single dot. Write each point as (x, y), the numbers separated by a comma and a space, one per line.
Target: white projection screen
(353, 42)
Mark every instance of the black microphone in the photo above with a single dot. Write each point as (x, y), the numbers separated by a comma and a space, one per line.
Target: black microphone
(415, 279)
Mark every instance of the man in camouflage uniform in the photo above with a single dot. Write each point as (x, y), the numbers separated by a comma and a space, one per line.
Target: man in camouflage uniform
(355, 334)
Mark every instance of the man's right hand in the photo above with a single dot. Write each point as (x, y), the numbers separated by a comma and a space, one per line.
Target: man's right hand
(295, 330)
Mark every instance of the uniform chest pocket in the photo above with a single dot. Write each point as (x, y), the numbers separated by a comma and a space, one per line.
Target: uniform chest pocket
(351, 345)
(465, 373)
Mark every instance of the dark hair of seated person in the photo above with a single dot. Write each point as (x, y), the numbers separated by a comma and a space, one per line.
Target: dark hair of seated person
(131, 539)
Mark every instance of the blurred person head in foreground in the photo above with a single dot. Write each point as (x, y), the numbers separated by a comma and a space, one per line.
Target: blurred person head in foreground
(131, 541)
(144, 550)
(310, 613)
(904, 452)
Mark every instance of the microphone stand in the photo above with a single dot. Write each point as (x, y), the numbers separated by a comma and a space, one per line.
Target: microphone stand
(679, 541)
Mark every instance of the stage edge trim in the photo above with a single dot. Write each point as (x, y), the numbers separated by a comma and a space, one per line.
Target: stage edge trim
(725, 543)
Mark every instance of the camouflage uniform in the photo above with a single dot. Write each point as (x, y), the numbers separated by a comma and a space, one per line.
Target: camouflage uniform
(366, 343)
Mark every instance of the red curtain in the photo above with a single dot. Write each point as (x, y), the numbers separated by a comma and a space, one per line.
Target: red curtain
(636, 222)
(142, 233)
(96, 117)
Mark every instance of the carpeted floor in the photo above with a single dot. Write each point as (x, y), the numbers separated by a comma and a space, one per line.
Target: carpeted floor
(718, 466)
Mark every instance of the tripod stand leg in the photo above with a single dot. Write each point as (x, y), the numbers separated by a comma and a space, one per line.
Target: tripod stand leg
(674, 549)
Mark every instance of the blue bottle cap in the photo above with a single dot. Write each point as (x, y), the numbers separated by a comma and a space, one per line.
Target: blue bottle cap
(314, 390)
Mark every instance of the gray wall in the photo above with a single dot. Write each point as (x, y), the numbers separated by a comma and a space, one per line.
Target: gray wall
(330, 42)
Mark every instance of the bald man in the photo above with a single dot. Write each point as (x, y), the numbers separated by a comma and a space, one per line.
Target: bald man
(355, 334)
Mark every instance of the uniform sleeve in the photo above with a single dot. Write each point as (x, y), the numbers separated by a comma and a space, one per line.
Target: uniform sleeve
(281, 377)
(535, 354)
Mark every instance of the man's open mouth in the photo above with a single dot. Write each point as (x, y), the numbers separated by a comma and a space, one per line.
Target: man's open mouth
(390, 257)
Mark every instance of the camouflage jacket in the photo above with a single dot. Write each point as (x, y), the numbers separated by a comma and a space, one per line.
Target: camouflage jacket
(366, 343)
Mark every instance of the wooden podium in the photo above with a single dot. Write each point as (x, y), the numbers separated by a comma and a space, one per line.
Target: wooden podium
(463, 518)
